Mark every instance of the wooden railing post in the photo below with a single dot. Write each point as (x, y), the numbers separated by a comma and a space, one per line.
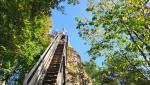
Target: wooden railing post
(64, 72)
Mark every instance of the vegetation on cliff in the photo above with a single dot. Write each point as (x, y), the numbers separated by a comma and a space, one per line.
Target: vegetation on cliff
(75, 72)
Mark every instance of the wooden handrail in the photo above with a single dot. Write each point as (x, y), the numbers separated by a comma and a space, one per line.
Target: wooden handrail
(36, 65)
(61, 72)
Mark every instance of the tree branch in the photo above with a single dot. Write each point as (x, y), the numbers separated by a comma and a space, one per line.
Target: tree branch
(141, 39)
(141, 52)
(124, 56)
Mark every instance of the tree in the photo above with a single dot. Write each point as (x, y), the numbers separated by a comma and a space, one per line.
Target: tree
(99, 75)
(24, 25)
(120, 30)
(92, 69)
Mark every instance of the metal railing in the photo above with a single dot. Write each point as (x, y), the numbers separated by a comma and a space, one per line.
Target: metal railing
(37, 73)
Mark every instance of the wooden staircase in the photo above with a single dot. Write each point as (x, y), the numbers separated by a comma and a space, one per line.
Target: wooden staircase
(50, 68)
(52, 71)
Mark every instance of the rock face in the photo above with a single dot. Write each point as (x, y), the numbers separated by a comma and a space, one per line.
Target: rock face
(75, 73)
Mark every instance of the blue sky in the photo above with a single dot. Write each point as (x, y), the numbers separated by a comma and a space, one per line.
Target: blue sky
(68, 22)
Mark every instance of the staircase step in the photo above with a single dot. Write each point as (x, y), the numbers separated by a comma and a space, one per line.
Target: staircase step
(60, 47)
(53, 69)
(56, 56)
(50, 77)
(55, 64)
(49, 82)
(59, 50)
(52, 73)
(58, 53)
(54, 60)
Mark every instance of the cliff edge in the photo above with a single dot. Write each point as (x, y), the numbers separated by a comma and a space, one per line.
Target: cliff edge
(75, 73)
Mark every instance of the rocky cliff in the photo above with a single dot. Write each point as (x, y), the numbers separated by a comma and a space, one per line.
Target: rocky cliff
(75, 73)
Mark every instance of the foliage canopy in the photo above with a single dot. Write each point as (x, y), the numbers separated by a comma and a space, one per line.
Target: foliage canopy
(120, 31)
